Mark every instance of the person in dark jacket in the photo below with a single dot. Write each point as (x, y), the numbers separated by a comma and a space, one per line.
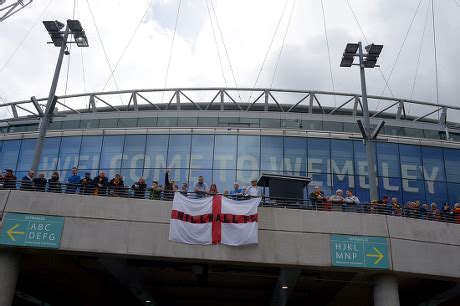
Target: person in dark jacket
(100, 184)
(168, 190)
(40, 182)
(27, 181)
(117, 186)
(9, 180)
(139, 188)
(53, 183)
(86, 184)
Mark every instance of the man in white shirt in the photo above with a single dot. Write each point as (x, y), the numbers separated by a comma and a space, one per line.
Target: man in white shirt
(200, 188)
(351, 201)
(253, 190)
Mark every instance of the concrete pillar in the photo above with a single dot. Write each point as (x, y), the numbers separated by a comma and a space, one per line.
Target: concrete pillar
(386, 290)
(9, 269)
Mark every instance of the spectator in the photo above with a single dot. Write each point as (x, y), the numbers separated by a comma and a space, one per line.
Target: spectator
(456, 213)
(27, 181)
(53, 183)
(317, 196)
(337, 200)
(237, 192)
(213, 189)
(200, 187)
(253, 190)
(397, 211)
(184, 189)
(435, 214)
(73, 182)
(9, 180)
(424, 211)
(446, 209)
(100, 184)
(351, 200)
(86, 184)
(117, 186)
(226, 193)
(155, 191)
(168, 190)
(139, 188)
(40, 182)
(383, 205)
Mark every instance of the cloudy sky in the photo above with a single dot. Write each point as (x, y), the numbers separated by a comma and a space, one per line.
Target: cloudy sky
(253, 33)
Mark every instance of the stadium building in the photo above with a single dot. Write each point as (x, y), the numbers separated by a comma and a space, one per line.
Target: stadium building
(115, 251)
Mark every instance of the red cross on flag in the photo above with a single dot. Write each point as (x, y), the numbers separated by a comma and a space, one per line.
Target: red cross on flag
(214, 220)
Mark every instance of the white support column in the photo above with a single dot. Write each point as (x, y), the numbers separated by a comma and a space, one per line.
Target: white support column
(386, 290)
(9, 269)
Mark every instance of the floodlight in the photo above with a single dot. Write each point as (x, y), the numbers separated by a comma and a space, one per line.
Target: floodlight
(78, 33)
(74, 25)
(373, 49)
(351, 48)
(81, 39)
(53, 26)
(347, 60)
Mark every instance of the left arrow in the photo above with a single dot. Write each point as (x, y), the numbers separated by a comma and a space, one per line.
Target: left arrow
(11, 232)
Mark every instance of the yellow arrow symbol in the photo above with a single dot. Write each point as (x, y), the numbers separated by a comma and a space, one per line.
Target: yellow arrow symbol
(11, 232)
(378, 255)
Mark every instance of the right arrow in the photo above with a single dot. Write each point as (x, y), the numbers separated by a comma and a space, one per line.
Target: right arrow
(378, 255)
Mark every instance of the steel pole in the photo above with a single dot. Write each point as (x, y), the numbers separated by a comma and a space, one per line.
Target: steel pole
(44, 122)
(367, 126)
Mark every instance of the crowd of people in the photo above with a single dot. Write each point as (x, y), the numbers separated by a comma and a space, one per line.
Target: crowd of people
(100, 185)
(385, 205)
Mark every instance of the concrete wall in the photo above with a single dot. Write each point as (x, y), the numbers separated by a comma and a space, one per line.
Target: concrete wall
(286, 237)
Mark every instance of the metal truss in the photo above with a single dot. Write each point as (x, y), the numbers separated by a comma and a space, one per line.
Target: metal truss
(217, 98)
(12, 9)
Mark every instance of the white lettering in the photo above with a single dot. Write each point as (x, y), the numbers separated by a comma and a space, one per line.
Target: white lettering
(297, 165)
(386, 179)
(430, 178)
(406, 177)
(346, 171)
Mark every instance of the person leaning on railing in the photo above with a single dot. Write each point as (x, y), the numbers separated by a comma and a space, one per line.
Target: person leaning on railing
(9, 180)
(27, 181)
(100, 184)
(86, 184)
(351, 201)
(155, 191)
(456, 213)
(117, 186)
(317, 196)
(73, 182)
(139, 188)
(40, 182)
(53, 183)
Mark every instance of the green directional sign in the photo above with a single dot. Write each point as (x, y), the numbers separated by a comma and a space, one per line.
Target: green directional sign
(359, 252)
(31, 230)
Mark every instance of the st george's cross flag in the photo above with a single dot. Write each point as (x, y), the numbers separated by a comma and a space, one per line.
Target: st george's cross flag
(214, 220)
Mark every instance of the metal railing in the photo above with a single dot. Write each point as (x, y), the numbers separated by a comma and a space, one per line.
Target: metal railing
(266, 201)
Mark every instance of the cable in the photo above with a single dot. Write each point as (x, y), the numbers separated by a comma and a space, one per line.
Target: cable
(25, 36)
(68, 56)
(365, 38)
(419, 53)
(217, 45)
(127, 45)
(400, 50)
(103, 48)
(269, 47)
(328, 51)
(82, 61)
(171, 49)
(225, 48)
(282, 44)
(435, 54)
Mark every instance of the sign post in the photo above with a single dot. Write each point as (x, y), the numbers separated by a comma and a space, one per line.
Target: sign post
(359, 252)
(32, 231)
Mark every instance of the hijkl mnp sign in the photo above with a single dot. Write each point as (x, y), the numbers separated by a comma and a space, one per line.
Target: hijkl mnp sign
(359, 252)
(32, 230)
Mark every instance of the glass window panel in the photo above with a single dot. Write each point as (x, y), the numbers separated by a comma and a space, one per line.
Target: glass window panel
(90, 152)
(248, 153)
(452, 163)
(455, 136)
(55, 125)
(295, 155)
(111, 154)
(156, 151)
(453, 192)
(225, 152)
(167, 121)
(130, 176)
(50, 154)
(433, 164)
(70, 124)
(127, 122)
(436, 192)
(392, 187)
(31, 127)
(207, 121)
(272, 157)
(226, 120)
(344, 182)
(361, 166)
(69, 151)
(89, 124)
(147, 122)
(270, 123)
(156, 174)
(9, 154)
(250, 121)
(17, 128)
(431, 134)
(413, 190)
(314, 125)
(180, 176)
(319, 156)
(411, 132)
(362, 188)
(202, 152)
(245, 177)
(108, 123)
(224, 179)
(179, 151)
(350, 127)
(4, 129)
(388, 164)
(342, 159)
(393, 130)
(411, 162)
(26, 155)
(133, 152)
(333, 126)
(187, 121)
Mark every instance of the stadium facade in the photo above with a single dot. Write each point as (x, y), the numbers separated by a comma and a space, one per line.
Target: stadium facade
(226, 140)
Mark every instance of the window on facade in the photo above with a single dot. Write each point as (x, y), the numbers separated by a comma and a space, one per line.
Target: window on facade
(55, 125)
(70, 124)
(207, 121)
(393, 130)
(108, 123)
(410, 132)
(314, 125)
(187, 121)
(333, 126)
(270, 123)
(167, 121)
(89, 124)
(432, 134)
(127, 122)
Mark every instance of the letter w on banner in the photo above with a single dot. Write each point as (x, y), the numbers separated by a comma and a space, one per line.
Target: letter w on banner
(214, 220)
